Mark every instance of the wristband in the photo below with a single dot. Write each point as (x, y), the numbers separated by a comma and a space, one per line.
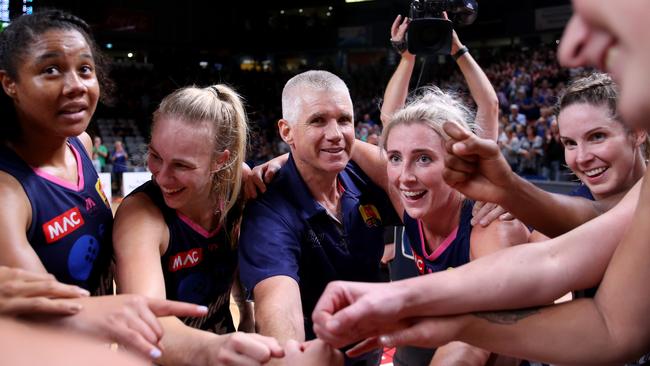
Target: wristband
(463, 50)
(399, 46)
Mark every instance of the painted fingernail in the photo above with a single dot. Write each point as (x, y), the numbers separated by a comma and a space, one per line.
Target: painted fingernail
(155, 353)
(202, 309)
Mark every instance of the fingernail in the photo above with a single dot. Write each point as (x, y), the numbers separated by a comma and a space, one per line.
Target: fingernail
(84, 292)
(202, 309)
(155, 353)
(75, 307)
(386, 341)
(472, 222)
(484, 222)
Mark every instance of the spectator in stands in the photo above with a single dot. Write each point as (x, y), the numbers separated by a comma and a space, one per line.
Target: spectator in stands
(554, 167)
(120, 162)
(531, 152)
(510, 147)
(55, 218)
(100, 154)
(515, 118)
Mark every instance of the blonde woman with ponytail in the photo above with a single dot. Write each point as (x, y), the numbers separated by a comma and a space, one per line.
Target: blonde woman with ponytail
(176, 236)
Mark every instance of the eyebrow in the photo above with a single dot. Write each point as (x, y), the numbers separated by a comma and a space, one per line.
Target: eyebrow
(322, 115)
(55, 54)
(587, 133)
(416, 151)
(181, 161)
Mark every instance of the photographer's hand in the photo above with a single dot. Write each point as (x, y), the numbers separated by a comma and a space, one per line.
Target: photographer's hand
(455, 41)
(398, 34)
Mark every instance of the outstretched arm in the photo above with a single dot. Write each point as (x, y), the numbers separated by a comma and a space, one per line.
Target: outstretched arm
(140, 236)
(521, 276)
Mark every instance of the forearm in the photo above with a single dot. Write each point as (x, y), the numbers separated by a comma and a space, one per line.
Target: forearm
(524, 275)
(570, 333)
(549, 213)
(397, 88)
(279, 322)
(480, 87)
(183, 345)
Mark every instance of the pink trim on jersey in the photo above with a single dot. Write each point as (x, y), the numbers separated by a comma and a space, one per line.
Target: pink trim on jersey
(196, 227)
(441, 248)
(64, 183)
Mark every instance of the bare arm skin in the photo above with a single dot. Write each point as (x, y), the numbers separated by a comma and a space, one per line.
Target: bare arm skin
(475, 167)
(278, 310)
(610, 327)
(480, 88)
(527, 275)
(15, 219)
(140, 235)
(484, 241)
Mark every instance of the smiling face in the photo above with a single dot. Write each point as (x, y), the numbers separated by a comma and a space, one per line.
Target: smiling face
(181, 161)
(415, 162)
(56, 90)
(322, 136)
(599, 150)
(608, 34)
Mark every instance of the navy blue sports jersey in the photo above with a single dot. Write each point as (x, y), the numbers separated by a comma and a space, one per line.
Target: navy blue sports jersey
(71, 223)
(453, 252)
(198, 266)
(287, 232)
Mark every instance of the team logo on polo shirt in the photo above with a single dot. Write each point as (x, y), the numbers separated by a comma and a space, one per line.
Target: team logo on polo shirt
(100, 191)
(62, 225)
(370, 215)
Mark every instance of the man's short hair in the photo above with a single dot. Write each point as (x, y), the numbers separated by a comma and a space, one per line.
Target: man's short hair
(314, 79)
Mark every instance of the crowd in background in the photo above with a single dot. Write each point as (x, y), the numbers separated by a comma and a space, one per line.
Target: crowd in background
(527, 82)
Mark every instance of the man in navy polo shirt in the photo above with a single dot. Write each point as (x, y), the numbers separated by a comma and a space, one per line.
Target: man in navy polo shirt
(320, 220)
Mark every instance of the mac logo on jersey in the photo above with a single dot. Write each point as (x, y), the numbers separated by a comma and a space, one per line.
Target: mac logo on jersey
(62, 225)
(186, 259)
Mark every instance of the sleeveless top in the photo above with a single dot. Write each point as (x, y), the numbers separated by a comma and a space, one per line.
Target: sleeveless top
(71, 223)
(452, 252)
(198, 266)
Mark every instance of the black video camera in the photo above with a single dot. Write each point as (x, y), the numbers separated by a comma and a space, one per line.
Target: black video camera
(429, 32)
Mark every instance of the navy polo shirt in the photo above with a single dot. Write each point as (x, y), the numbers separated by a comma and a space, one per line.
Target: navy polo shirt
(286, 232)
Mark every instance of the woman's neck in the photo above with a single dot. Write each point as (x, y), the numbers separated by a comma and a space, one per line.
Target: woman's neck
(205, 212)
(41, 151)
(436, 227)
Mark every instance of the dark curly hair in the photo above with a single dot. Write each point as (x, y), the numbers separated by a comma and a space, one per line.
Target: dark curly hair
(15, 41)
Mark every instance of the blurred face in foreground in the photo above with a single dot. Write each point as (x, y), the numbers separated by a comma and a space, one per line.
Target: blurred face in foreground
(612, 35)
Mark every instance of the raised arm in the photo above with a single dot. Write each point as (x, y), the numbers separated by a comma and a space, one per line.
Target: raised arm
(480, 87)
(398, 86)
(521, 276)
